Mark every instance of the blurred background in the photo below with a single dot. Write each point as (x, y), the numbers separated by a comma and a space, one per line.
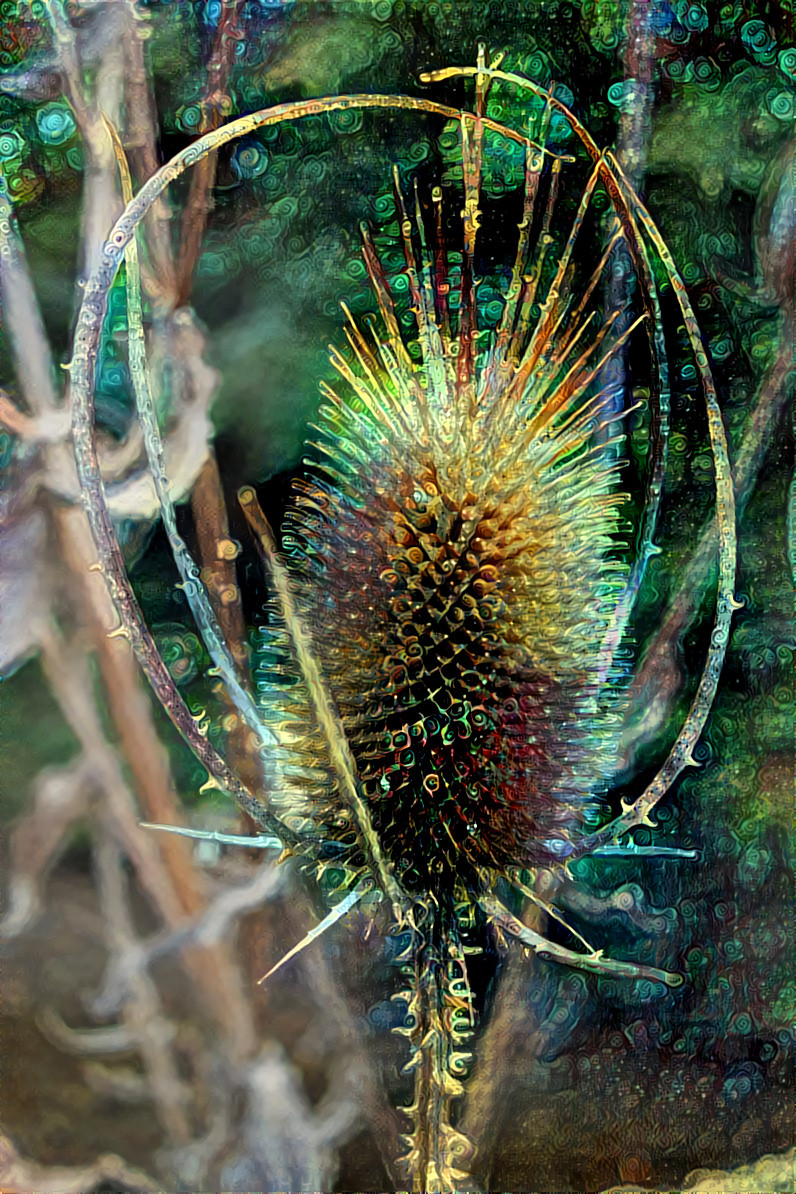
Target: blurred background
(138, 1053)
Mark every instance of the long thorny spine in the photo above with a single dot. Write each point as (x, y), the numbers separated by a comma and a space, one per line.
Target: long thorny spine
(546, 367)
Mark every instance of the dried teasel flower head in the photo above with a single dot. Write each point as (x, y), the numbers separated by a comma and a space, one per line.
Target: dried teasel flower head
(454, 584)
(455, 556)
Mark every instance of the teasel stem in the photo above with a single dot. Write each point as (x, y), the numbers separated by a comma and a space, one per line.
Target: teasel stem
(439, 1021)
(681, 754)
(441, 286)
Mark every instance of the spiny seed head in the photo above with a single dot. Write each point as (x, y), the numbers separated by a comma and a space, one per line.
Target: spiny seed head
(455, 557)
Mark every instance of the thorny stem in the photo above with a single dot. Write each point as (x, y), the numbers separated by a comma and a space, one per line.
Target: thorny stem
(594, 962)
(659, 668)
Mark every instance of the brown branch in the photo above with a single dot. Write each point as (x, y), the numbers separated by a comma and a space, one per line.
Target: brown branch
(13, 419)
(66, 668)
(217, 554)
(214, 105)
(141, 145)
(213, 969)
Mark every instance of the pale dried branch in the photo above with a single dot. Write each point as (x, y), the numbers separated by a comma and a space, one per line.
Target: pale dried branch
(60, 798)
(286, 1143)
(119, 1083)
(215, 925)
(142, 1013)
(628, 902)
(27, 583)
(345, 1032)
(176, 356)
(66, 669)
(101, 197)
(30, 347)
(20, 1176)
(48, 427)
(173, 888)
(176, 351)
(82, 1042)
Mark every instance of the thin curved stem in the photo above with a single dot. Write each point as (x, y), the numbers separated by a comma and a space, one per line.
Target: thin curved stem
(594, 962)
(195, 591)
(633, 214)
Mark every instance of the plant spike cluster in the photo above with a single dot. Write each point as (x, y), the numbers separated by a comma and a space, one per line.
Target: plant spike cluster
(448, 601)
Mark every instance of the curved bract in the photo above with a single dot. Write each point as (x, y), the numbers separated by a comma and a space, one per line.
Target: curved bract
(453, 586)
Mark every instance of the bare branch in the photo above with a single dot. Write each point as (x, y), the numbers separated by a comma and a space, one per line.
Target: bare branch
(30, 346)
(142, 1012)
(214, 106)
(286, 1144)
(85, 1041)
(60, 797)
(19, 1176)
(215, 925)
(101, 197)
